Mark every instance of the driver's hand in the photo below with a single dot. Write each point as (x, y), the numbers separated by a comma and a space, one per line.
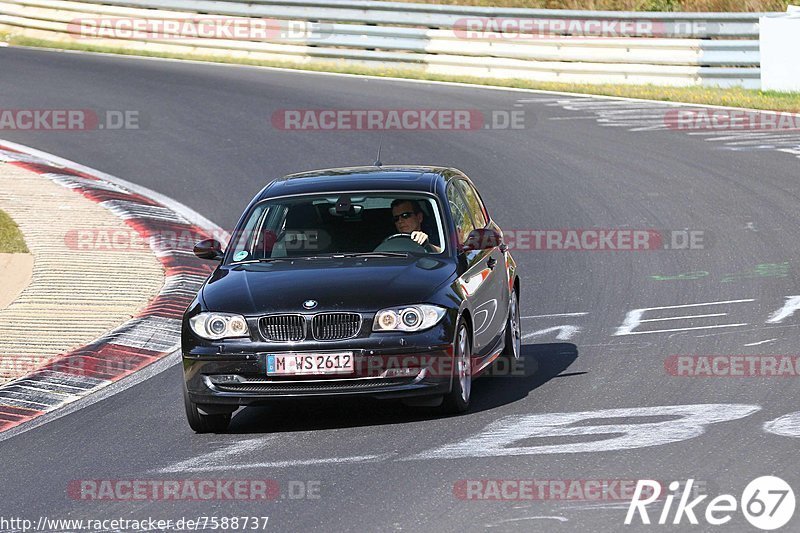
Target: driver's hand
(419, 237)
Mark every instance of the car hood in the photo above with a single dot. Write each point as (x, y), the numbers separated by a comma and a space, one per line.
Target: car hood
(357, 284)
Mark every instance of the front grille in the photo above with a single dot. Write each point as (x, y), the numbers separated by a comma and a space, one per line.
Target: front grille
(335, 326)
(332, 385)
(283, 328)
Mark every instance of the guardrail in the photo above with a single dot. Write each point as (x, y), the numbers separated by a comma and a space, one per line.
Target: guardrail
(712, 49)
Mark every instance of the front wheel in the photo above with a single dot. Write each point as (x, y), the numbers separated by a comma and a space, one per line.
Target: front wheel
(457, 401)
(513, 332)
(204, 423)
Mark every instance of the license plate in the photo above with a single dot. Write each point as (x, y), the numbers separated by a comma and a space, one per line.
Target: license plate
(310, 364)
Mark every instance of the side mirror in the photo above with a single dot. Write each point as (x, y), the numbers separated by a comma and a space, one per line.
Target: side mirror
(208, 249)
(482, 239)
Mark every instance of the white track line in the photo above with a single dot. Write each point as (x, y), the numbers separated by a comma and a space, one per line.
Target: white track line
(554, 315)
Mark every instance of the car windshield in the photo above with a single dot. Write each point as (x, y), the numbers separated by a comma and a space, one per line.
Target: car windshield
(340, 224)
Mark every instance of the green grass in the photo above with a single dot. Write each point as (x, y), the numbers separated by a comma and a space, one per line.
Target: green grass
(747, 98)
(11, 241)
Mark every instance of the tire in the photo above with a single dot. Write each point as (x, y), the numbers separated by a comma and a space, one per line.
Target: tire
(513, 334)
(457, 400)
(203, 423)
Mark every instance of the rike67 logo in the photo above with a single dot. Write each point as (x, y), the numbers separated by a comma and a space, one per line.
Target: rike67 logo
(767, 503)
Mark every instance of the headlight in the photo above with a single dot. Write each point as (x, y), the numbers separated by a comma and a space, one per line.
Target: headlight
(216, 326)
(408, 318)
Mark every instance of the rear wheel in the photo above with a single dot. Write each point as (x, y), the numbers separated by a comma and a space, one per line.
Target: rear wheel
(513, 334)
(457, 401)
(201, 422)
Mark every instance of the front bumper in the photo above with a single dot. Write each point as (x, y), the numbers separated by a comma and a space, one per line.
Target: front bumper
(241, 378)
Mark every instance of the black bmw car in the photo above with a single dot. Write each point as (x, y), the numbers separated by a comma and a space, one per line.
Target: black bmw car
(391, 282)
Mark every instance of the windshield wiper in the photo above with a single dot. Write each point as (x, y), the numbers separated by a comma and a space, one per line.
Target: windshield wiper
(327, 256)
(373, 254)
(262, 260)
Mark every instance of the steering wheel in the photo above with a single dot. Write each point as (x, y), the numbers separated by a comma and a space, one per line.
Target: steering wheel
(409, 246)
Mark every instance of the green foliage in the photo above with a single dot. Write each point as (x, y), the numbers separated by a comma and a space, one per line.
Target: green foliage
(662, 5)
(627, 5)
(11, 241)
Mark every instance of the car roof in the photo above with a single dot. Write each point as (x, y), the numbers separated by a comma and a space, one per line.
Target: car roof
(395, 177)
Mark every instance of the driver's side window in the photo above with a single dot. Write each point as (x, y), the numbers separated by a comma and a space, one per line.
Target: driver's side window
(461, 217)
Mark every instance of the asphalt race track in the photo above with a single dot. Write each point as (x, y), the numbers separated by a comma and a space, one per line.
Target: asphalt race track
(207, 141)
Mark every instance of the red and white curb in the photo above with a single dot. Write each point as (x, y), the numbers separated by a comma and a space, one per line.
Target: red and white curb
(148, 337)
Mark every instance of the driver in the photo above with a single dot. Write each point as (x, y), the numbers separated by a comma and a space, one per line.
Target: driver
(408, 218)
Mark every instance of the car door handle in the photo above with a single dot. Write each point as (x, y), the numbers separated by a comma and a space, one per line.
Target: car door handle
(491, 263)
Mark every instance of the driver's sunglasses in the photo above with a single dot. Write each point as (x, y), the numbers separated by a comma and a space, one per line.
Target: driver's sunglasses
(407, 214)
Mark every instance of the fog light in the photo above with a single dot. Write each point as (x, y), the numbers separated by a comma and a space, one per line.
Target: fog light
(401, 372)
(222, 379)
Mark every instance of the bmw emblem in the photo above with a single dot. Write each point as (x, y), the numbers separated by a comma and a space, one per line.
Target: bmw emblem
(310, 304)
